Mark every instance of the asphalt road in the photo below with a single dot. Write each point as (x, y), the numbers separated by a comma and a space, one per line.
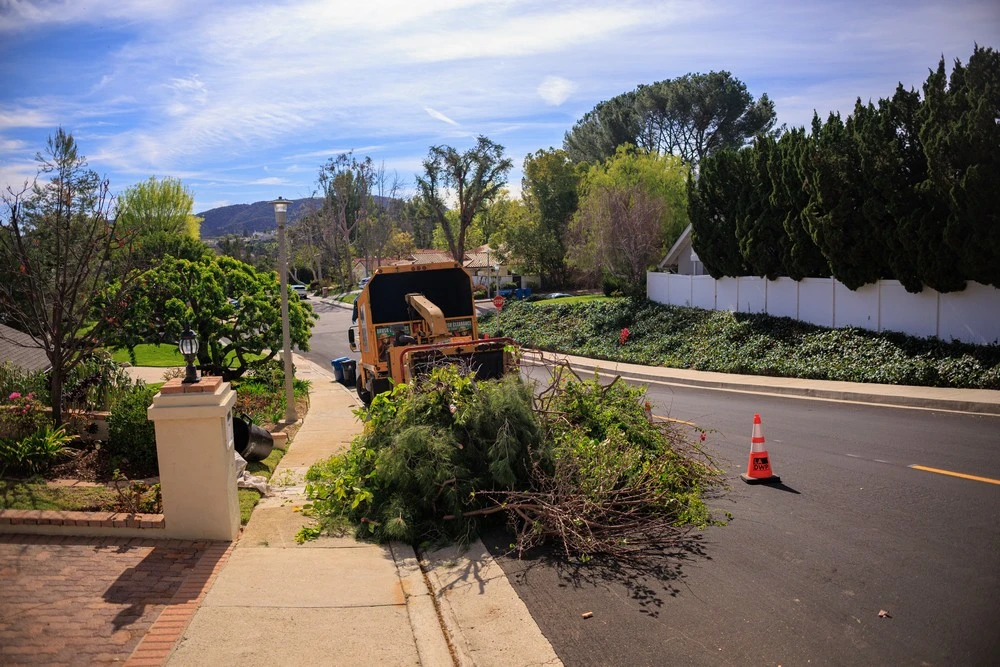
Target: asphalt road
(329, 335)
(801, 572)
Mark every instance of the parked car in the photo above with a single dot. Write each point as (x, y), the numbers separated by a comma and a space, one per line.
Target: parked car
(301, 290)
(363, 282)
(557, 295)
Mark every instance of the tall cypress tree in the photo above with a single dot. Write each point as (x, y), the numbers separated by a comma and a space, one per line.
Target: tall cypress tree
(885, 189)
(834, 214)
(789, 194)
(961, 139)
(759, 220)
(710, 209)
(918, 212)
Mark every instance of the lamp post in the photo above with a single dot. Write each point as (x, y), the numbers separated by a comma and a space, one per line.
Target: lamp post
(188, 345)
(280, 210)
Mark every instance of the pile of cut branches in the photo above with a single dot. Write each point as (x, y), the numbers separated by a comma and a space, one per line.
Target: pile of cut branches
(578, 465)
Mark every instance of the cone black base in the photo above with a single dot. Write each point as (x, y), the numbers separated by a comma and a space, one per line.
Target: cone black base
(773, 479)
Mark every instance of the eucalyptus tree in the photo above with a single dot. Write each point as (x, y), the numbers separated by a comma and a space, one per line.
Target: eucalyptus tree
(474, 178)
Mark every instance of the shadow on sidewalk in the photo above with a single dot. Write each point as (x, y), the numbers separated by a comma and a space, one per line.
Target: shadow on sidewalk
(157, 579)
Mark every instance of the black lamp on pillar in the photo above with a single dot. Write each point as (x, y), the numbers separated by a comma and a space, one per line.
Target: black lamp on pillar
(188, 346)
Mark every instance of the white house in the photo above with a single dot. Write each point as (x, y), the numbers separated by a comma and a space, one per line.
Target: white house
(682, 259)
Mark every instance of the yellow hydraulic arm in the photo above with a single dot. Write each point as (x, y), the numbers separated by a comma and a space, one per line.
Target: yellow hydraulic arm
(431, 314)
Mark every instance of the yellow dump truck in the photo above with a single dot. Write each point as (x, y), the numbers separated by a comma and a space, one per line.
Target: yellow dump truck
(411, 318)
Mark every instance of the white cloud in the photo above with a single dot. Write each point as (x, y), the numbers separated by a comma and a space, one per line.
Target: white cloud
(27, 14)
(555, 89)
(11, 145)
(22, 116)
(15, 174)
(196, 87)
(434, 113)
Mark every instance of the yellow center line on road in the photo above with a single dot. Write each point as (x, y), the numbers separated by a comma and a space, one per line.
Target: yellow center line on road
(974, 478)
(676, 421)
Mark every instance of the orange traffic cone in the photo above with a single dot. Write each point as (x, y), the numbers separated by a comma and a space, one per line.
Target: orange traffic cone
(759, 465)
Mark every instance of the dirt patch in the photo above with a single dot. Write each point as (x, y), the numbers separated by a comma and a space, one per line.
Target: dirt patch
(90, 462)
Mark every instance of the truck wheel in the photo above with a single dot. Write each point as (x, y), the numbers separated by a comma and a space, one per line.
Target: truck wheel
(363, 393)
(365, 396)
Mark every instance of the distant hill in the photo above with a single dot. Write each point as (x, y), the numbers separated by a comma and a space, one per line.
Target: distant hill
(249, 218)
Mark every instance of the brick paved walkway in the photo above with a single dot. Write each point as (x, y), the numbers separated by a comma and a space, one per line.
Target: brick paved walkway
(88, 600)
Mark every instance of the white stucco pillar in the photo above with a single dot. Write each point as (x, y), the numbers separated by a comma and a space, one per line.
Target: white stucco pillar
(195, 452)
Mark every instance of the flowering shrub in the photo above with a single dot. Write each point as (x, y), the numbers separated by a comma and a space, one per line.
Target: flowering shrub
(21, 416)
(623, 336)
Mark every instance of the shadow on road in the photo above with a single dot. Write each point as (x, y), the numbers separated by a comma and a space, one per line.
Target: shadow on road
(646, 585)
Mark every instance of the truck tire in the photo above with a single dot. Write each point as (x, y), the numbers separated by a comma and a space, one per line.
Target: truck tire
(362, 386)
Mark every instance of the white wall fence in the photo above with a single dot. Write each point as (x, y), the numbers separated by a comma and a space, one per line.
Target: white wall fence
(972, 315)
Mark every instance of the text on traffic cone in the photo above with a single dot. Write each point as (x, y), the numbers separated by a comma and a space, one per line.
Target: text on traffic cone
(759, 464)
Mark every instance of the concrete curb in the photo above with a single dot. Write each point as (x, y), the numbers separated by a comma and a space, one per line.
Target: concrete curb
(428, 626)
(487, 623)
(976, 401)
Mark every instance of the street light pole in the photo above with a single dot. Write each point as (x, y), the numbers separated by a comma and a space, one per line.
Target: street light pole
(280, 211)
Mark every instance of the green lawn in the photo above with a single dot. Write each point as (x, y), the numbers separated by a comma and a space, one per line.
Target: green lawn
(250, 497)
(158, 356)
(163, 356)
(31, 495)
(349, 297)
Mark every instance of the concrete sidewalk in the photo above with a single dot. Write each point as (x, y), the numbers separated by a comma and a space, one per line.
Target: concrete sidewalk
(337, 601)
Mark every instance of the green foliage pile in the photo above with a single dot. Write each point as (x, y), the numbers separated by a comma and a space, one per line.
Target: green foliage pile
(901, 189)
(438, 455)
(751, 344)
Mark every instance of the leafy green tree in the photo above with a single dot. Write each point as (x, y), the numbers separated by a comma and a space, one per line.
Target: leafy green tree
(960, 135)
(711, 210)
(158, 213)
(760, 228)
(632, 209)
(60, 245)
(159, 206)
(551, 192)
(473, 235)
(475, 178)
(234, 337)
(418, 219)
(890, 165)
(400, 244)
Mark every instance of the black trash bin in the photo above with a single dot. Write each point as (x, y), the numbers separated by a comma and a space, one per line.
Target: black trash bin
(251, 441)
(350, 367)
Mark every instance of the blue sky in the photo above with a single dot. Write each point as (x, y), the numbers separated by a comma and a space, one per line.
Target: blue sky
(245, 101)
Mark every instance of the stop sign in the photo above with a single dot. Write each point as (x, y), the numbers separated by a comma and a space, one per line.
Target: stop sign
(498, 302)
